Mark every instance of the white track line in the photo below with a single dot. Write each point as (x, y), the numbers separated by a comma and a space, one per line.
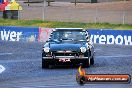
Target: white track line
(2, 69)
(114, 56)
(48, 86)
(5, 53)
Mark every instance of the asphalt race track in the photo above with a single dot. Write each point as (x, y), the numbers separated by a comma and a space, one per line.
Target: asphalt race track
(22, 67)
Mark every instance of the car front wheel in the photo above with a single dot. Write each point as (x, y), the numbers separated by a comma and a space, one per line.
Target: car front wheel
(92, 61)
(44, 64)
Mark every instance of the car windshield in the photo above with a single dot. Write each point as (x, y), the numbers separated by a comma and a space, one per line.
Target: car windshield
(69, 35)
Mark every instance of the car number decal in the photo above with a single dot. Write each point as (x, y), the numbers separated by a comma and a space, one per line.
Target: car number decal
(64, 60)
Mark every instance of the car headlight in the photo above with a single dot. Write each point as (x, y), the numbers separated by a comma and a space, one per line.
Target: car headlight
(83, 49)
(46, 49)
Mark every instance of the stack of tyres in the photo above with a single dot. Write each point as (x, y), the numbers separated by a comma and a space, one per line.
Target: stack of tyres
(10, 14)
(10, 10)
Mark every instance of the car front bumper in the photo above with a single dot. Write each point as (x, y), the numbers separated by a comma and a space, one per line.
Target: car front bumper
(71, 57)
(66, 61)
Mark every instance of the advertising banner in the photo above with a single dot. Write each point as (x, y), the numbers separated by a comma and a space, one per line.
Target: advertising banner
(39, 34)
(12, 33)
(44, 34)
(1, 1)
(100, 36)
(110, 36)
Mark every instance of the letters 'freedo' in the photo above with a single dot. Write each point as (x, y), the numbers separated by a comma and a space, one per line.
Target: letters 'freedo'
(111, 39)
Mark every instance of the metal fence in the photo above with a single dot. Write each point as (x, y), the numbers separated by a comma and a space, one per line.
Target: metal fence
(82, 12)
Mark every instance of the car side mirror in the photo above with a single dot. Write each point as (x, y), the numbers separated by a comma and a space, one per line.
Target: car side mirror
(48, 39)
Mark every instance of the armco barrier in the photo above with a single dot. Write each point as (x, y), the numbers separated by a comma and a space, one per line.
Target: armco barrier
(101, 36)
(109, 36)
(12, 33)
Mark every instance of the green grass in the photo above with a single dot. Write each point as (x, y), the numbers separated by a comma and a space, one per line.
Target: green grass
(55, 24)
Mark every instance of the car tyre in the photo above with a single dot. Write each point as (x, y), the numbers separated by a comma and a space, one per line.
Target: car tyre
(92, 61)
(51, 66)
(45, 64)
(86, 64)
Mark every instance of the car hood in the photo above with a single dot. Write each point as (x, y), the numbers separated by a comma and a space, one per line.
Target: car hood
(65, 47)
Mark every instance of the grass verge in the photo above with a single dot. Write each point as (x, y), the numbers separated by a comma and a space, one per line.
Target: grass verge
(56, 24)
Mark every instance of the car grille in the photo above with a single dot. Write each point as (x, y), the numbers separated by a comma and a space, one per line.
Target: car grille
(65, 54)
